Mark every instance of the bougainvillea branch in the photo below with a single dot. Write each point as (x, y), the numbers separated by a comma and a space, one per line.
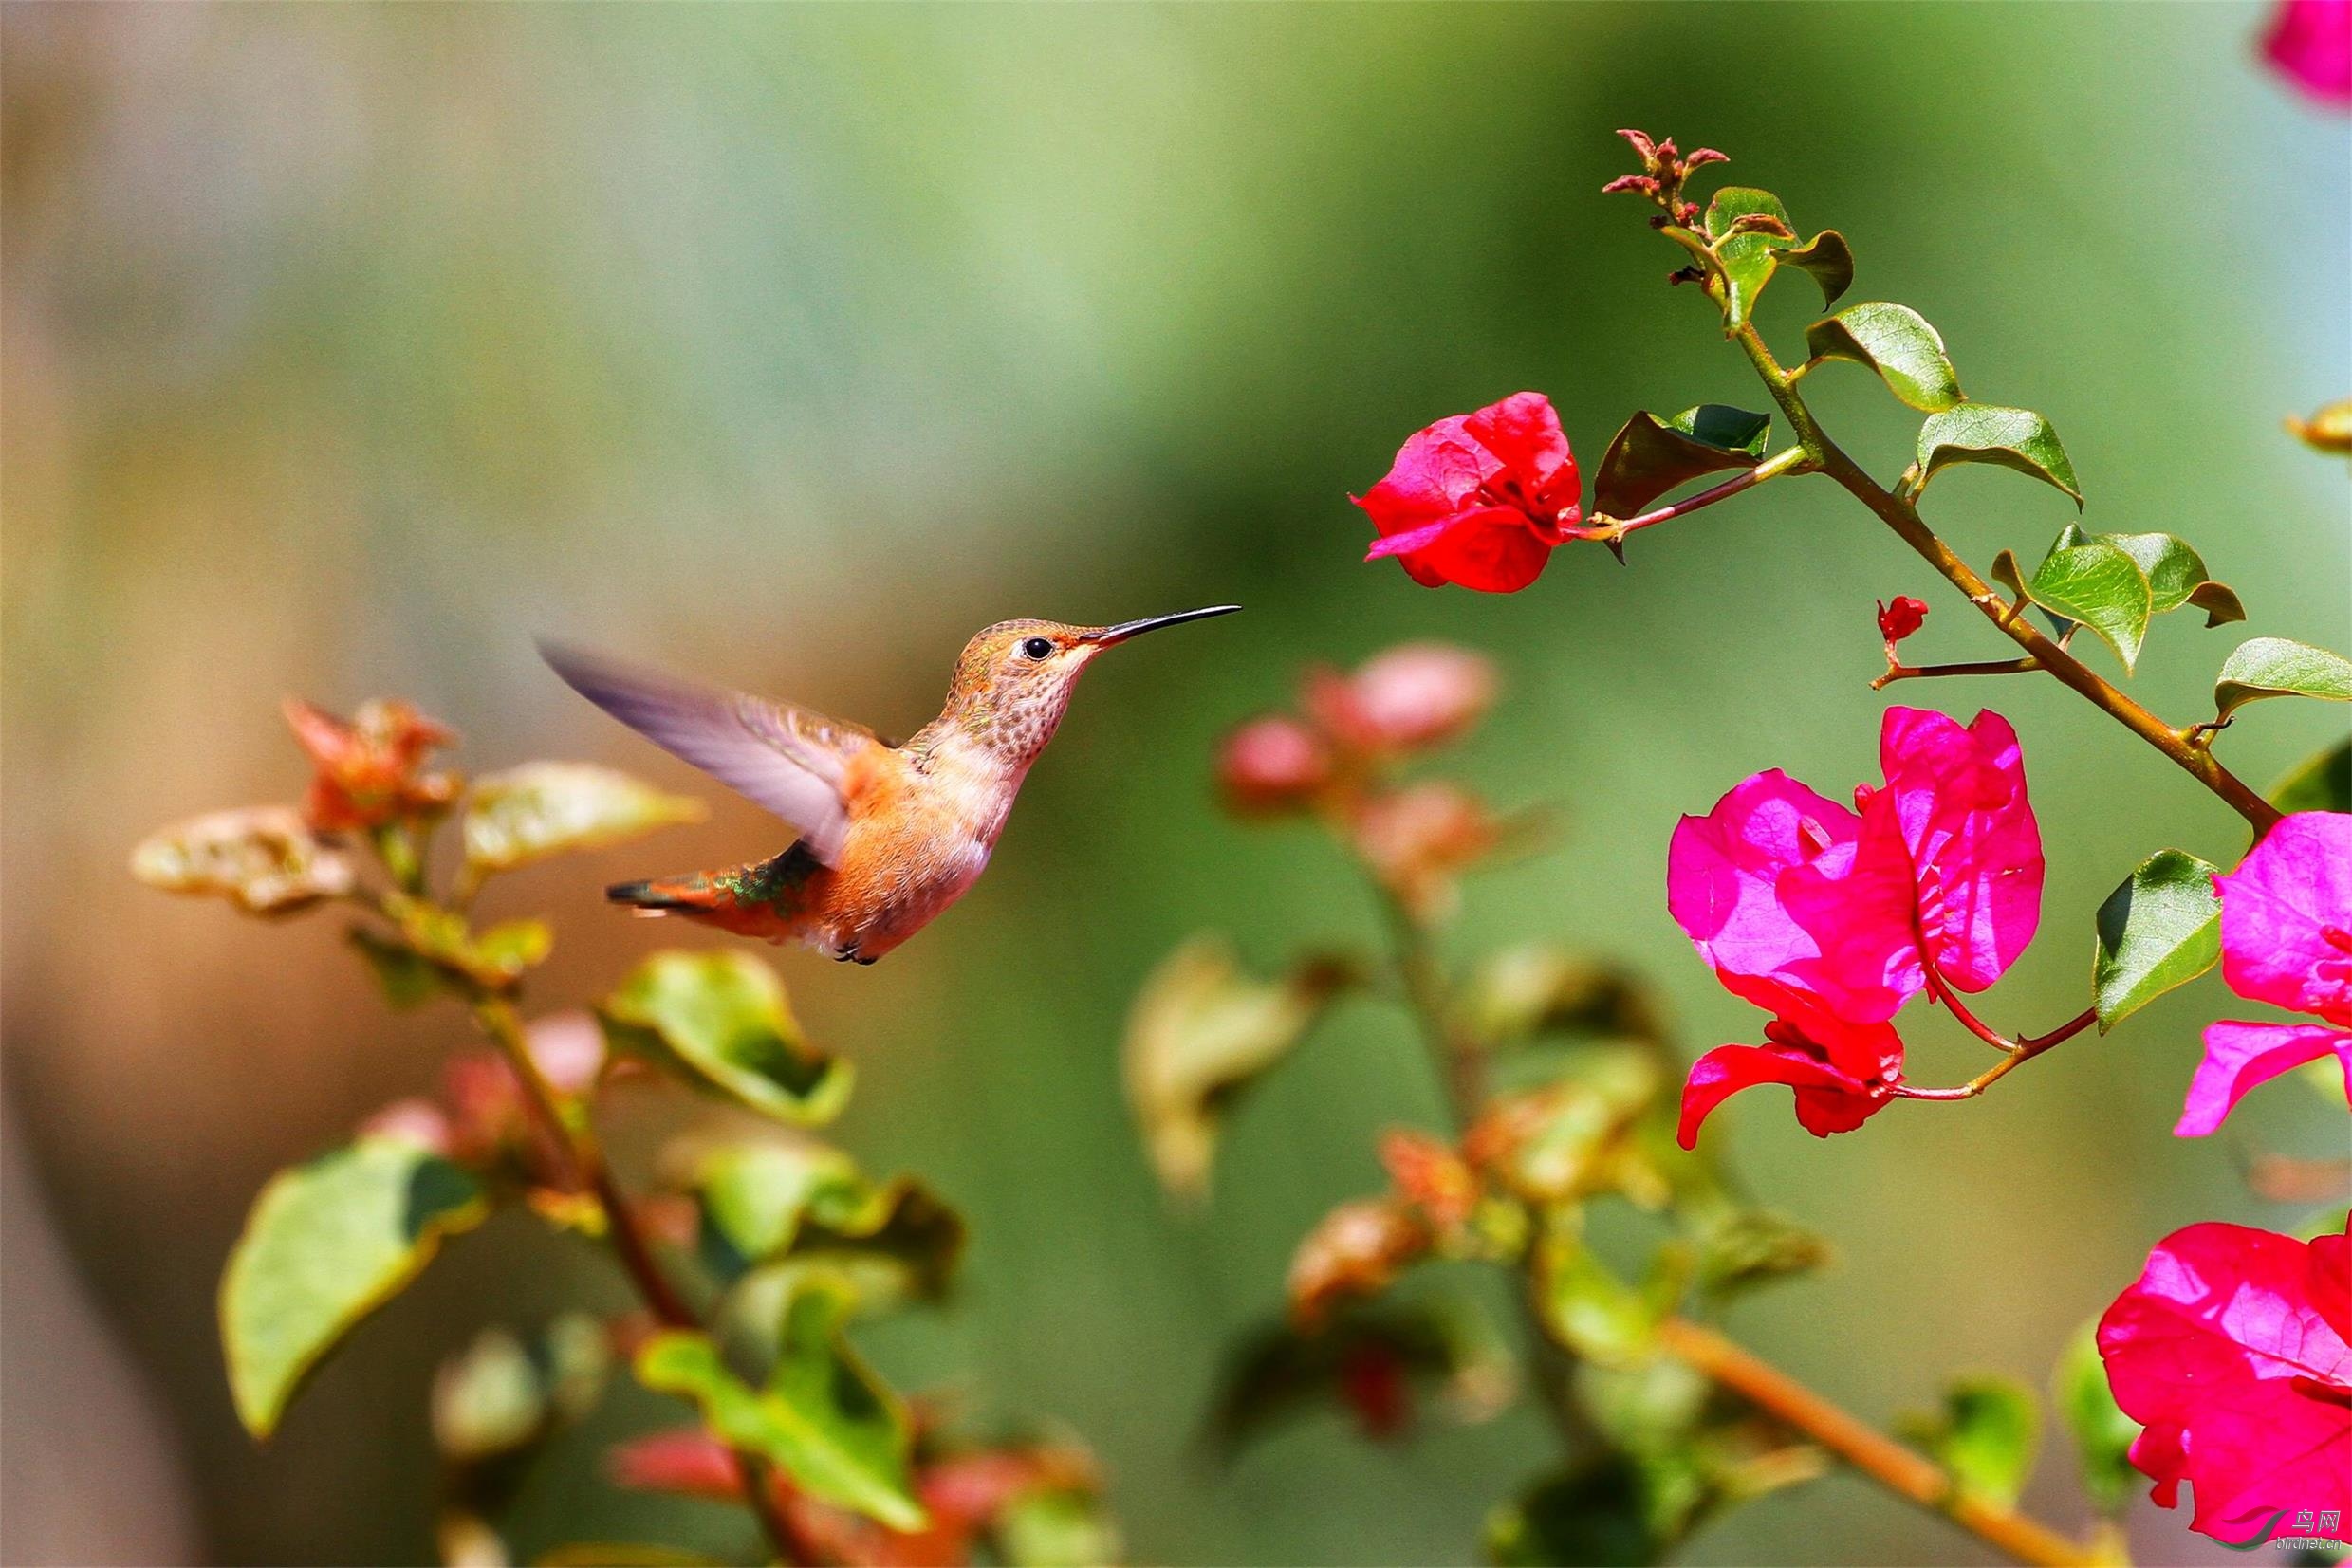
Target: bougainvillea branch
(1897, 1468)
(1901, 515)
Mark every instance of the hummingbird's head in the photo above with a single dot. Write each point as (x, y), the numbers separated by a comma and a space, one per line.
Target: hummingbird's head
(1013, 681)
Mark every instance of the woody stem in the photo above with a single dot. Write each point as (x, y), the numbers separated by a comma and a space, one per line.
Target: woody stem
(1900, 1470)
(1899, 513)
(566, 1121)
(1608, 530)
(2015, 1052)
(1895, 670)
(1461, 1067)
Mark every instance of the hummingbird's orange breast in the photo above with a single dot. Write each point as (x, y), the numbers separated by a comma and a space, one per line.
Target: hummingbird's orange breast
(923, 822)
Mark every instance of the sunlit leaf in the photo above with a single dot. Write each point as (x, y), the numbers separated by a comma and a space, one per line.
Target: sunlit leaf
(1443, 1351)
(2011, 438)
(1569, 1139)
(1587, 1307)
(1895, 341)
(1748, 257)
(1056, 1529)
(1535, 989)
(495, 958)
(1201, 1032)
(2275, 667)
(2090, 581)
(2161, 928)
(1984, 1435)
(264, 859)
(1650, 456)
(2321, 782)
(326, 1244)
(2103, 1433)
(719, 1019)
(834, 1430)
(542, 810)
(765, 1201)
(1829, 259)
(500, 1396)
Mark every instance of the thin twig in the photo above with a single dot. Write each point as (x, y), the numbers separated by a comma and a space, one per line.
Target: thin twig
(1900, 1470)
(1900, 514)
(1895, 672)
(1609, 530)
(568, 1122)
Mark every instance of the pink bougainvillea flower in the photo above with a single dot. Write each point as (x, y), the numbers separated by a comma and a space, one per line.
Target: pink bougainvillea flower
(1407, 698)
(1480, 499)
(1832, 919)
(2310, 43)
(2286, 939)
(1273, 765)
(2231, 1350)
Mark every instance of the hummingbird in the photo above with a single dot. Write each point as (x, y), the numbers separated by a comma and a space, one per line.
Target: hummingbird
(889, 834)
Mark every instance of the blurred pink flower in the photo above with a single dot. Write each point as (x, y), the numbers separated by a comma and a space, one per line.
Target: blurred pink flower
(2310, 43)
(2286, 939)
(2231, 1350)
(1832, 919)
(1480, 499)
(1412, 695)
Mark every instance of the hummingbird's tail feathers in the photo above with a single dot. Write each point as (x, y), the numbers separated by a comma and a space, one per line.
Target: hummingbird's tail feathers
(651, 897)
(764, 886)
(787, 760)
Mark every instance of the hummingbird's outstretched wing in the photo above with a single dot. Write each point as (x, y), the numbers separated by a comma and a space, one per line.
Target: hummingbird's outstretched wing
(785, 758)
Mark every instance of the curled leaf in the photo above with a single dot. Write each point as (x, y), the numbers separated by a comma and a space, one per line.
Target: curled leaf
(542, 810)
(1201, 1032)
(1895, 341)
(1830, 261)
(2009, 437)
(326, 1244)
(1649, 456)
(263, 859)
(836, 1430)
(721, 1022)
(2277, 667)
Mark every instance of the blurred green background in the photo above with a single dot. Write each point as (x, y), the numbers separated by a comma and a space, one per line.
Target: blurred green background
(345, 347)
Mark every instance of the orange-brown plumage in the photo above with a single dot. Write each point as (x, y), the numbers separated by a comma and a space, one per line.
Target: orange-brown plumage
(889, 834)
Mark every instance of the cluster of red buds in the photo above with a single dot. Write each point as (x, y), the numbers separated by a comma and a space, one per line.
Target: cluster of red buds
(1664, 171)
(1334, 760)
(371, 769)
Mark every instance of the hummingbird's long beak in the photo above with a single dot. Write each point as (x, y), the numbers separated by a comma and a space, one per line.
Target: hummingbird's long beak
(1126, 629)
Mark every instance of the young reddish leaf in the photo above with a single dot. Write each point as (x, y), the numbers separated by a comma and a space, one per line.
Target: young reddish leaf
(2009, 437)
(1650, 456)
(1895, 341)
(370, 770)
(326, 1244)
(1353, 1252)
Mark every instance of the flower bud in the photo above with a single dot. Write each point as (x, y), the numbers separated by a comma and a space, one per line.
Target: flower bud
(1416, 695)
(1273, 765)
(1354, 1250)
(1900, 620)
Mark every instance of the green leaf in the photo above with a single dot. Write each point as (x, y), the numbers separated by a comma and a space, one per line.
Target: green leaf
(326, 1244)
(1755, 1246)
(1734, 202)
(499, 1395)
(826, 1422)
(2323, 783)
(1535, 989)
(544, 809)
(1829, 259)
(1201, 1032)
(805, 1201)
(495, 958)
(2274, 666)
(2011, 438)
(1056, 1529)
(2173, 569)
(2103, 1433)
(1895, 341)
(1984, 1436)
(720, 1020)
(1444, 1348)
(1650, 456)
(2095, 582)
(265, 860)
(2161, 928)
(1587, 1308)
(405, 978)
(1615, 1511)
(2220, 601)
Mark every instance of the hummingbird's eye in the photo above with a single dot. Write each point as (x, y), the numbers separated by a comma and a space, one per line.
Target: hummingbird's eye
(1038, 648)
